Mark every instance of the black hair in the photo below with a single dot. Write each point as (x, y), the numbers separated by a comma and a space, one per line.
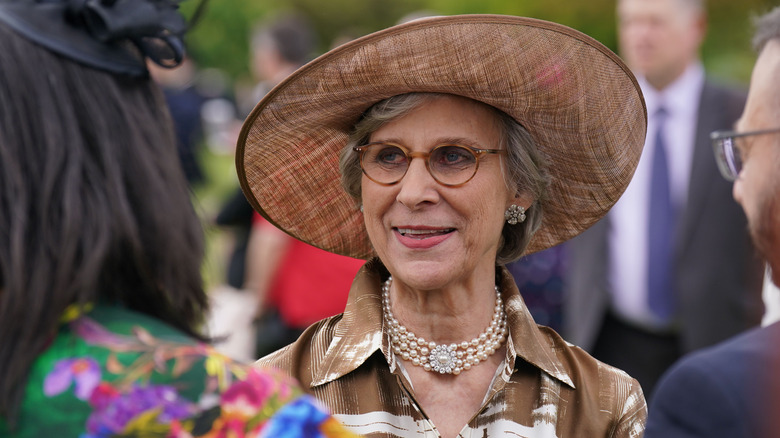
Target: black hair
(94, 206)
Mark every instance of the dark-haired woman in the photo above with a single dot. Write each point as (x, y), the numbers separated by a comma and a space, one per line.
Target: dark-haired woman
(100, 247)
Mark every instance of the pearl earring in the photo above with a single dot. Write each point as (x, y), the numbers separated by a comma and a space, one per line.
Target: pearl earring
(514, 214)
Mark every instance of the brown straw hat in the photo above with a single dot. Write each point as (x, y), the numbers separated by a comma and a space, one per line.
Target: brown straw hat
(578, 100)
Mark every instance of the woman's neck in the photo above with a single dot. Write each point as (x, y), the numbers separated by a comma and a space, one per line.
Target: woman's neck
(453, 314)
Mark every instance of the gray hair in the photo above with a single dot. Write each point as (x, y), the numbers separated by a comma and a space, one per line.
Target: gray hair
(767, 28)
(526, 166)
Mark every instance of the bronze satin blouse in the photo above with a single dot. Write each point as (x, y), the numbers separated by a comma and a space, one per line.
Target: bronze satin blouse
(547, 388)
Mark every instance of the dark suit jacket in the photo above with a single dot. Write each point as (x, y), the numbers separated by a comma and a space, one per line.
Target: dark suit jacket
(718, 275)
(731, 390)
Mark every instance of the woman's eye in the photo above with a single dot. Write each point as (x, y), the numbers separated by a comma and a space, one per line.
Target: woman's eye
(391, 155)
(453, 155)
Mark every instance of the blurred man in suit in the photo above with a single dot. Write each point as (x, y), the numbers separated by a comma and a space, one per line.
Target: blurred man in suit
(670, 268)
(732, 390)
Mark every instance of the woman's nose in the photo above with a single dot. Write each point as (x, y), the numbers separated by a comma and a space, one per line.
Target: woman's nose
(417, 187)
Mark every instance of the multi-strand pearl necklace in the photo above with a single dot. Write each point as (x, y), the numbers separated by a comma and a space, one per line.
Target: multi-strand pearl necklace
(445, 359)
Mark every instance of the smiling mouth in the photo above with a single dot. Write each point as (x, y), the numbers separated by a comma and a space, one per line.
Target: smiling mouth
(423, 234)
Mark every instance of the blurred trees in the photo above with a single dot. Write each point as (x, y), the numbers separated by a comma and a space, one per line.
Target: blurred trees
(220, 40)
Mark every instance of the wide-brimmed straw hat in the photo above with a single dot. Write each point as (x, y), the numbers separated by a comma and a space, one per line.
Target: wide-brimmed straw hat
(578, 100)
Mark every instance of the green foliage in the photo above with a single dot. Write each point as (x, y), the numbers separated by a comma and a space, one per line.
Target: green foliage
(221, 38)
(727, 52)
(346, 19)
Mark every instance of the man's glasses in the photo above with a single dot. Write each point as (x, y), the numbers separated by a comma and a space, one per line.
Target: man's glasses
(728, 150)
(451, 165)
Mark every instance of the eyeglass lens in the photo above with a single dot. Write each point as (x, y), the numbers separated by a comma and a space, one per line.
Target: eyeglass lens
(729, 157)
(448, 164)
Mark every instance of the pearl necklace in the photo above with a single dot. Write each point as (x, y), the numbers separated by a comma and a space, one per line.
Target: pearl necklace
(444, 359)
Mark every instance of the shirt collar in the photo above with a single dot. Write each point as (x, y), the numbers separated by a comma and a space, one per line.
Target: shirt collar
(680, 97)
(359, 333)
(529, 342)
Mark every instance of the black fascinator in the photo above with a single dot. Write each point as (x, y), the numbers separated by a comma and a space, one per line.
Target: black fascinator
(112, 35)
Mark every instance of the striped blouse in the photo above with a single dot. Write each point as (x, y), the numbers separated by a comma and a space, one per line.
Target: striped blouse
(547, 387)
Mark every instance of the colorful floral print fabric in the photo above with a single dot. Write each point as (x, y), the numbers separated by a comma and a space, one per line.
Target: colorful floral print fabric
(116, 373)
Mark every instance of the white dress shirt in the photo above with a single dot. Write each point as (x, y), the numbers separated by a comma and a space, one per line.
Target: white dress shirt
(628, 242)
(771, 296)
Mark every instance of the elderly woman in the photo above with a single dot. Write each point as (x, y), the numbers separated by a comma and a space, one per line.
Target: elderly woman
(442, 149)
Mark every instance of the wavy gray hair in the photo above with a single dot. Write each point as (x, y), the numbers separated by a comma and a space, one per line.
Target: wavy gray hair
(526, 168)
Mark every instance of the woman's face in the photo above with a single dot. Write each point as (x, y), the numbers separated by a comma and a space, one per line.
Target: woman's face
(430, 236)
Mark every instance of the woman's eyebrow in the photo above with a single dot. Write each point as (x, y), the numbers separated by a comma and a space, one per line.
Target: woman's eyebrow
(439, 141)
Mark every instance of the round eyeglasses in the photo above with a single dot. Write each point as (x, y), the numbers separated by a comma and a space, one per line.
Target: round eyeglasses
(728, 150)
(451, 165)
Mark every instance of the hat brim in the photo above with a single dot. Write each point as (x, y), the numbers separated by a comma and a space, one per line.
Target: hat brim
(578, 100)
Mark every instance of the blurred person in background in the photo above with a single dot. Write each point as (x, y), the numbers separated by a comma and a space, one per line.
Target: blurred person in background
(277, 47)
(671, 268)
(295, 283)
(184, 103)
(732, 390)
(101, 297)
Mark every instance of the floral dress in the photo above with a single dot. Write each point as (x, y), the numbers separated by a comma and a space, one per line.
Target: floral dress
(117, 373)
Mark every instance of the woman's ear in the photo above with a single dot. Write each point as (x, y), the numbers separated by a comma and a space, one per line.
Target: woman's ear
(521, 199)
